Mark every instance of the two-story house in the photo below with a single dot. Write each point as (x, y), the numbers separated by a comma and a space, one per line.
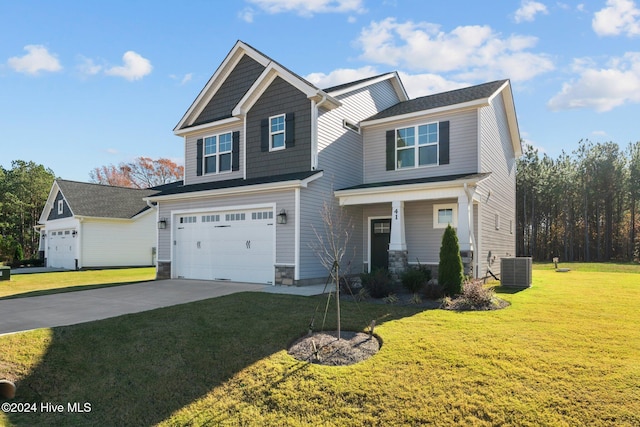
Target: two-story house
(264, 149)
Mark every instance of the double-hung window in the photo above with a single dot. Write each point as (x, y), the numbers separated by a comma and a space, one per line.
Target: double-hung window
(417, 146)
(277, 132)
(217, 153)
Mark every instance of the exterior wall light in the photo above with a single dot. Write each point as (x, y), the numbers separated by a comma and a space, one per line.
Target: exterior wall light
(162, 224)
(282, 217)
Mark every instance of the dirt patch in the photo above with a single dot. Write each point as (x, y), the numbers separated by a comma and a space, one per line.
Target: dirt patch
(325, 348)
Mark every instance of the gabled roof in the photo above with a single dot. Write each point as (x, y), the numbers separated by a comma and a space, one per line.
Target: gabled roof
(272, 70)
(470, 97)
(351, 86)
(101, 201)
(439, 100)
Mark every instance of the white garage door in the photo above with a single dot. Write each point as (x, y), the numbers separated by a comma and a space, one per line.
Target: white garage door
(230, 245)
(61, 249)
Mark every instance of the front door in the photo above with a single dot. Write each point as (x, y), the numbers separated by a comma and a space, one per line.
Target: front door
(380, 238)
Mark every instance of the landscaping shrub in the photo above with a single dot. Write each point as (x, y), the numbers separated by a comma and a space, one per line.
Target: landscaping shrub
(413, 280)
(474, 296)
(450, 270)
(378, 283)
(433, 291)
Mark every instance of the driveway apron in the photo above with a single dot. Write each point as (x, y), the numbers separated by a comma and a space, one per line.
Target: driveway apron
(22, 314)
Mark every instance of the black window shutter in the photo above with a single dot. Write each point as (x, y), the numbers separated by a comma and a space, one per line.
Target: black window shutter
(235, 151)
(289, 130)
(391, 150)
(199, 157)
(443, 129)
(264, 135)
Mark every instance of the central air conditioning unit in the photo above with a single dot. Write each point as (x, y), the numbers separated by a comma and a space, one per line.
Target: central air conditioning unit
(516, 272)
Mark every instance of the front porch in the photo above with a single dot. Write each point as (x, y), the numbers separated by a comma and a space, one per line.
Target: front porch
(403, 221)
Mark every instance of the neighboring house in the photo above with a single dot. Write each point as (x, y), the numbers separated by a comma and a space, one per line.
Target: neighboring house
(264, 148)
(89, 225)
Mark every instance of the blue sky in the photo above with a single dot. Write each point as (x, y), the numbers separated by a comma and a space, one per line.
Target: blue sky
(85, 84)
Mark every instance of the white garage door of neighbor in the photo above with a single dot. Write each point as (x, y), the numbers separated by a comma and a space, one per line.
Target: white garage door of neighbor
(61, 253)
(236, 246)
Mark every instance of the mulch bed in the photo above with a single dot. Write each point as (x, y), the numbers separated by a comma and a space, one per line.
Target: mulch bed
(324, 348)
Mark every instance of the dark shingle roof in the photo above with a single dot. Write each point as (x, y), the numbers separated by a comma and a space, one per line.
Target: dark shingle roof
(428, 180)
(443, 99)
(103, 201)
(235, 183)
(348, 84)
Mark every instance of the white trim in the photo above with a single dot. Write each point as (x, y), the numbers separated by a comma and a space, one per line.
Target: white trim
(283, 132)
(244, 150)
(448, 108)
(416, 146)
(257, 188)
(217, 154)
(454, 213)
(351, 125)
(314, 135)
(218, 78)
(267, 77)
(195, 129)
(296, 243)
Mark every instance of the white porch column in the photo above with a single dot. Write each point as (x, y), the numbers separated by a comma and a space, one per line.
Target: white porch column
(397, 240)
(464, 220)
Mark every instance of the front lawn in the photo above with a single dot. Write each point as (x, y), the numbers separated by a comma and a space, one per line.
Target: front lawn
(564, 353)
(26, 285)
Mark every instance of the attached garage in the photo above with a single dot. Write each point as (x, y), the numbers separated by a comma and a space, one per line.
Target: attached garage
(237, 245)
(62, 249)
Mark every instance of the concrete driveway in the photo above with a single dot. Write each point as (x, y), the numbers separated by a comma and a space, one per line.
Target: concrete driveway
(22, 314)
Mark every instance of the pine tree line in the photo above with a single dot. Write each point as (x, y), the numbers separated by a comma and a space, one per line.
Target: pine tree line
(581, 206)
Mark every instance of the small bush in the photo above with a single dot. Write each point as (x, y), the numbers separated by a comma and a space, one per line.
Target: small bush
(433, 291)
(414, 280)
(377, 283)
(474, 296)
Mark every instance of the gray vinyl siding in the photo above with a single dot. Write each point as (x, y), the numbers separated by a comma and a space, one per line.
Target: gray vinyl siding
(231, 91)
(423, 241)
(463, 152)
(499, 190)
(279, 98)
(340, 158)
(190, 163)
(285, 233)
(53, 213)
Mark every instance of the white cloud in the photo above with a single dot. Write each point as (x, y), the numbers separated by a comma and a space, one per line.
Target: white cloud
(601, 89)
(341, 75)
(528, 10)
(473, 52)
(135, 67)
(309, 7)
(247, 14)
(620, 16)
(427, 84)
(87, 67)
(37, 59)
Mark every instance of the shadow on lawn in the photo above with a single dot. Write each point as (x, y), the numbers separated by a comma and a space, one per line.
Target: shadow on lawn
(140, 368)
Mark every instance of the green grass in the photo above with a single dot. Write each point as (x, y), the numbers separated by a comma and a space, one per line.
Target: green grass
(27, 285)
(564, 353)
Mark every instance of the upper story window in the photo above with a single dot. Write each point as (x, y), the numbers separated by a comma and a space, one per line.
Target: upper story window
(417, 146)
(60, 207)
(217, 153)
(277, 132)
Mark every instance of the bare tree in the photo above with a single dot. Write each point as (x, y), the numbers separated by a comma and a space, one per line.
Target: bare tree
(333, 243)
